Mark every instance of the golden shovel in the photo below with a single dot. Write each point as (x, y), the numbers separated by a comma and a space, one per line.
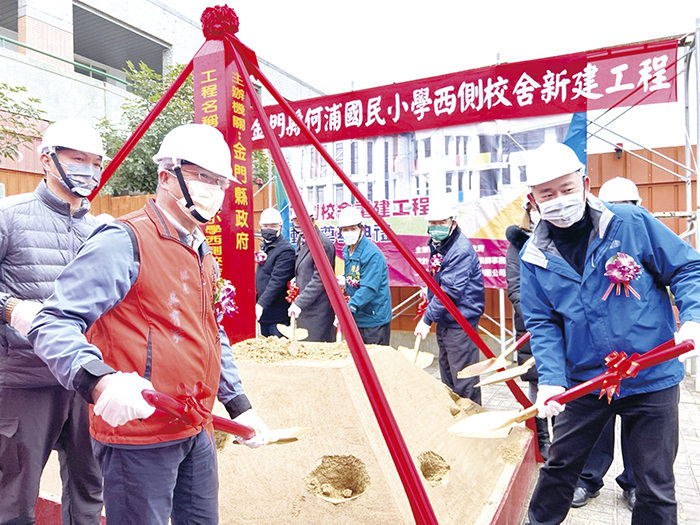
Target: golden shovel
(294, 334)
(492, 363)
(510, 373)
(421, 359)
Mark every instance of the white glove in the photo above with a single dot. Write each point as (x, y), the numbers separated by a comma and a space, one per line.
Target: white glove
(336, 322)
(544, 409)
(251, 419)
(23, 314)
(293, 282)
(121, 400)
(422, 329)
(424, 293)
(258, 312)
(294, 311)
(689, 330)
(341, 281)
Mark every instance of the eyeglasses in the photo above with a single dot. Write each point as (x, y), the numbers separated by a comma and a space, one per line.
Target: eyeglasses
(207, 178)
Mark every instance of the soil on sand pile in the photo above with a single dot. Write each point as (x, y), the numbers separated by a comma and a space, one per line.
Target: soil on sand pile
(342, 471)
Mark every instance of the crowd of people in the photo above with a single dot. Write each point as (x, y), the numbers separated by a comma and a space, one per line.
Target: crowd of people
(73, 365)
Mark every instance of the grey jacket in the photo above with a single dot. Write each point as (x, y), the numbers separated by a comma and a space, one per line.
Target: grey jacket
(316, 312)
(38, 237)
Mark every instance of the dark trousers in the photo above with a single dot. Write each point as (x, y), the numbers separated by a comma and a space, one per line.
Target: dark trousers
(146, 486)
(602, 457)
(650, 422)
(270, 329)
(33, 421)
(457, 350)
(376, 335)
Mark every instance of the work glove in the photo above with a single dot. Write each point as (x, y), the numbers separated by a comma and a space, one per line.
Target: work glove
(23, 314)
(690, 330)
(292, 282)
(424, 293)
(251, 419)
(336, 322)
(294, 311)
(341, 281)
(422, 329)
(258, 312)
(121, 400)
(544, 409)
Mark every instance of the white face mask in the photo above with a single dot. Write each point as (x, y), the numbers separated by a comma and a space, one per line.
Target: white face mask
(563, 211)
(351, 238)
(207, 198)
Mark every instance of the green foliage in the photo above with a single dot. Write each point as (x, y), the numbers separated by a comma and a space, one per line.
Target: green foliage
(17, 121)
(260, 169)
(137, 173)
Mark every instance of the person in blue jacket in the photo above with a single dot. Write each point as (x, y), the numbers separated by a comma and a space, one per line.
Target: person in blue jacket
(366, 280)
(593, 281)
(455, 266)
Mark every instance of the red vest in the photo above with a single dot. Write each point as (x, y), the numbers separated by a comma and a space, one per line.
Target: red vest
(164, 329)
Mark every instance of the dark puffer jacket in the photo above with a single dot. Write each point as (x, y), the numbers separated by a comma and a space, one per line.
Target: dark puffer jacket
(38, 237)
(517, 238)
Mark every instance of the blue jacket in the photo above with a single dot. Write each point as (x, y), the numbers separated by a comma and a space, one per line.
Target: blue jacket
(460, 278)
(370, 302)
(573, 329)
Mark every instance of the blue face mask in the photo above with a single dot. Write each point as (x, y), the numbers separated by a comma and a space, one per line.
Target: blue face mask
(79, 179)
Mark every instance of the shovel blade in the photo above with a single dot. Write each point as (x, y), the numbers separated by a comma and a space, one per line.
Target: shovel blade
(282, 436)
(475, 369)
(298, 335)
(422, 360)
(508, 374)
(485, 425)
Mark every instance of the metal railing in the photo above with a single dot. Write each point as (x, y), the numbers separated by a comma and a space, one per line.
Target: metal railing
(4, 39)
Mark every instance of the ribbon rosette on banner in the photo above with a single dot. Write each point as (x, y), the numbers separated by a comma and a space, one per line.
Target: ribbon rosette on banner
(260, 257)
(224, 295)
(435, 262)
(622, 270)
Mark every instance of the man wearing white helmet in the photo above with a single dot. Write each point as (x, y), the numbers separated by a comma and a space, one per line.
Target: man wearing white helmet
(366, 280)
(312, 307)
(273, 274)
(135, 310)
(593, 280)
(455, 266)
(39, 233)
(620, 191)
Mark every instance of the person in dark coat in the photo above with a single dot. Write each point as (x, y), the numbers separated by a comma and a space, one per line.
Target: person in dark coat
(275, 270)
(456, 268)
(312, 307)
(517, 235)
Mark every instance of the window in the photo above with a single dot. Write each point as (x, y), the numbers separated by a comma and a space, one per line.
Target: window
(416, 182)
(324, 163)
(370, 147)
(448, 141)
(319, 195)
(339, 154)
(427, 184)
(428, 151)
(310, 194)
(386, 156)
(370, 191)
(448, 181)
(354, 154)
(339, 193)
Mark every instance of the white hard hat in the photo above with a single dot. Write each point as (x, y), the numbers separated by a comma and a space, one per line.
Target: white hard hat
(199, 144)
(73, 133)
(551, 161)
(349, 216)
(441, 208)
(619, 190)
(310, 208)
(270, 216)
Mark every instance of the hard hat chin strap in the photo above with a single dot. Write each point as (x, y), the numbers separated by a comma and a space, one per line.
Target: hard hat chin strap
(69, 184)
(186, 195)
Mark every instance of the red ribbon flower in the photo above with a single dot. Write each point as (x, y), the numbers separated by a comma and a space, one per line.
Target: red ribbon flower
(435, 262)
(292, 292)
(622, 270)
(260, 257)
(422, 307)
(224, 296)
(619, 367)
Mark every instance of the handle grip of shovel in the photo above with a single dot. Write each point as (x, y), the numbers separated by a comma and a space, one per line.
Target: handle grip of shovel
(179, 410)
(658, 355)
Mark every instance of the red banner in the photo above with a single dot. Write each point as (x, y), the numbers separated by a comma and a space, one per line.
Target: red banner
(622, 76)
(220, 100)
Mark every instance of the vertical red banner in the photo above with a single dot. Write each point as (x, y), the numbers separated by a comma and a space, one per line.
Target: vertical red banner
(221, 101)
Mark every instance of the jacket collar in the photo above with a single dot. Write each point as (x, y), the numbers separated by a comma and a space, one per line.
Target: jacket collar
(53, 201)
(541, 242)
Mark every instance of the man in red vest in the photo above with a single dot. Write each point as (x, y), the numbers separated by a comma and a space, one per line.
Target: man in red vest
(135, 310)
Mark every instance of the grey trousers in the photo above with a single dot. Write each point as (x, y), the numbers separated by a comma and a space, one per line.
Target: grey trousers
(455, 351)
(34, 421)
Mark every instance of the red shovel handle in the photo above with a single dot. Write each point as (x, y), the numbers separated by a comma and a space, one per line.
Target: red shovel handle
(179, 410)
(661, 353)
